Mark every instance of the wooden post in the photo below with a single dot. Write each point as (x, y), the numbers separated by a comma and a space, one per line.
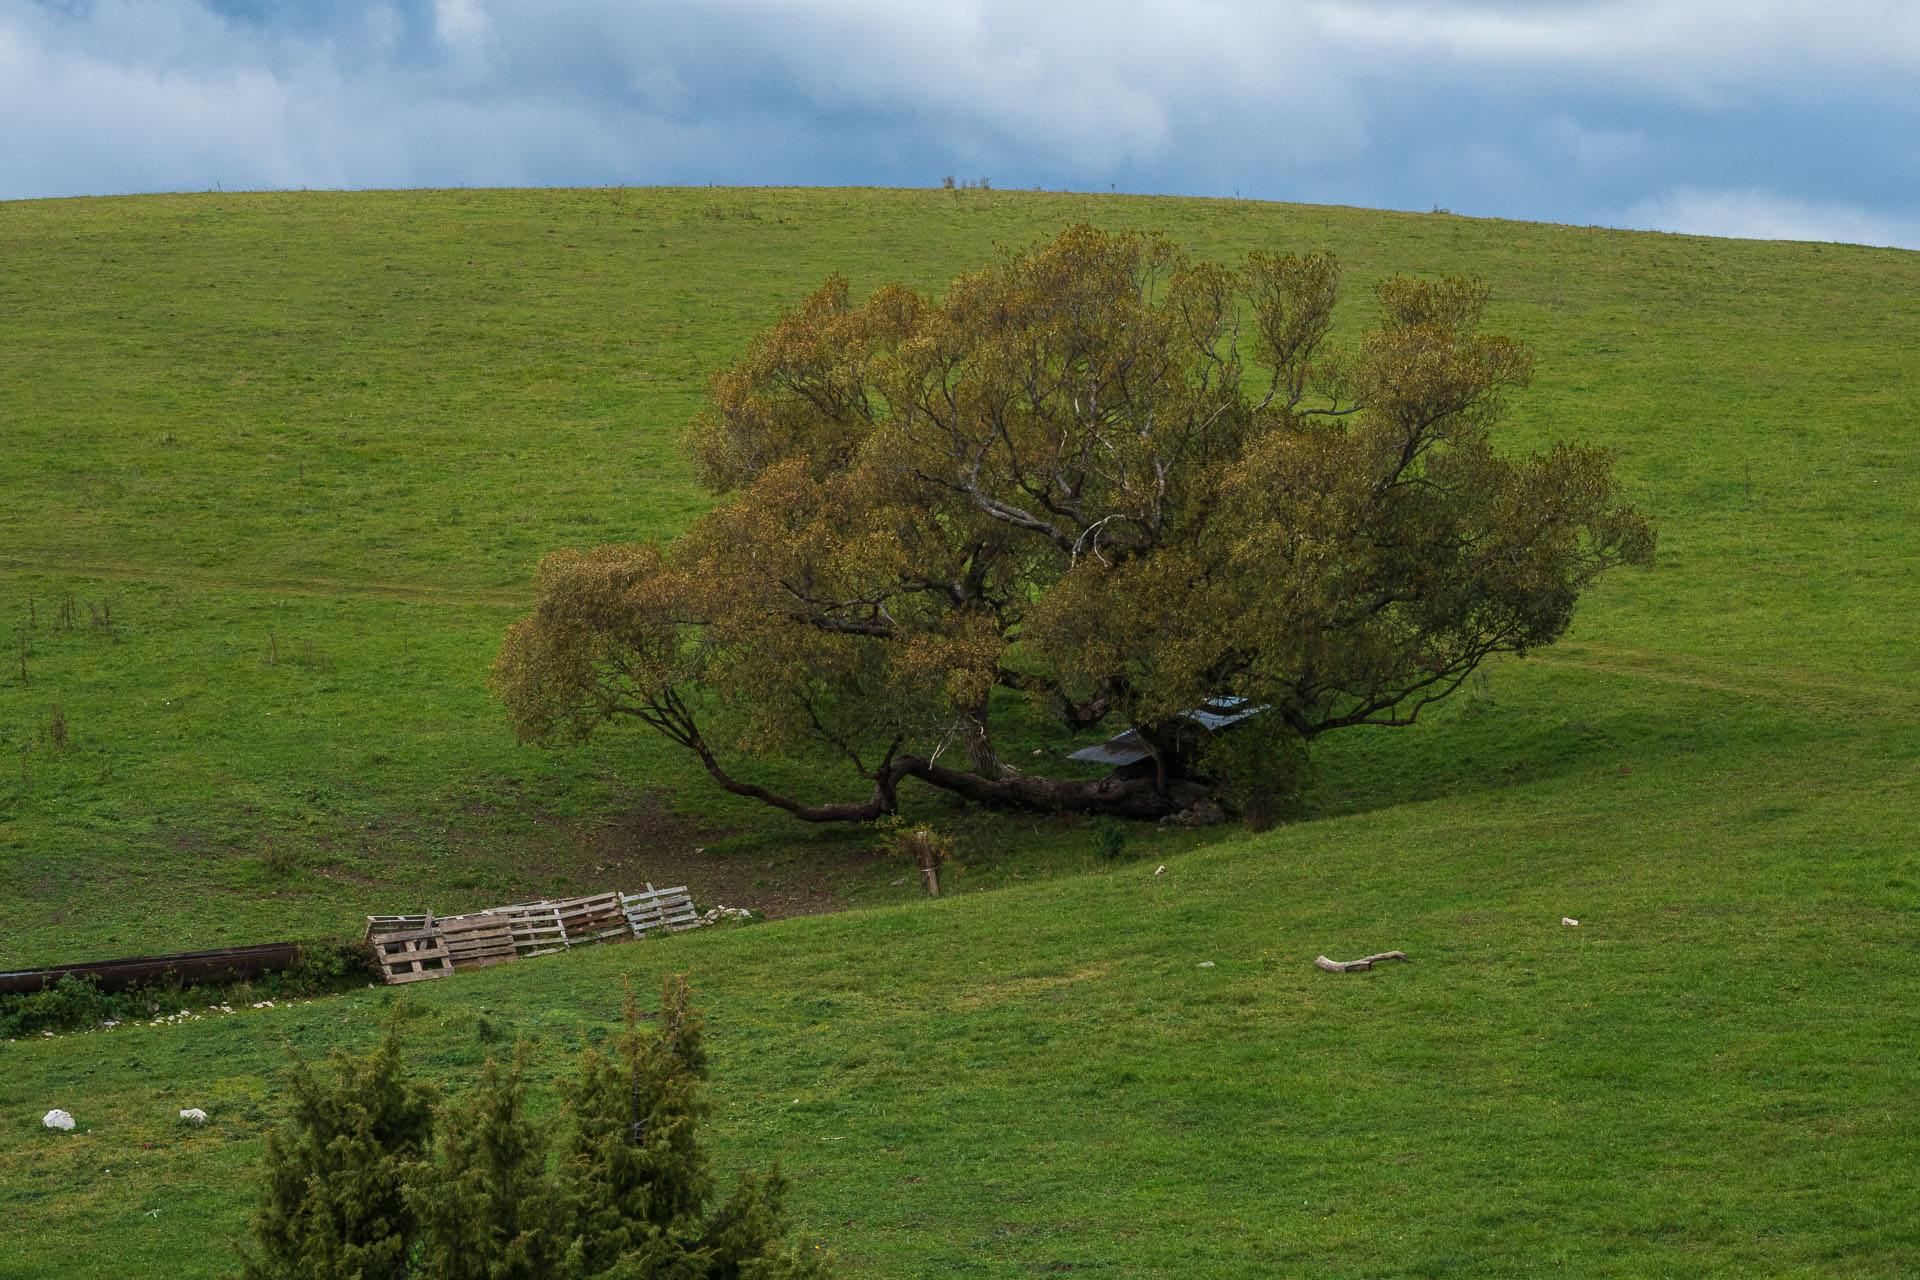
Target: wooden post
(929, 858)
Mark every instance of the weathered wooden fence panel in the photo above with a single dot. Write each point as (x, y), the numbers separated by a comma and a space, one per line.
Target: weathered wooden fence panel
(659, 910)
(592, 919)
(410, 948)
(416, 947)
(478, 940)
(536, 927)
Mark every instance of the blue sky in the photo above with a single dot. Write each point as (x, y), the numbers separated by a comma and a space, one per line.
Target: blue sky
(1769, 118)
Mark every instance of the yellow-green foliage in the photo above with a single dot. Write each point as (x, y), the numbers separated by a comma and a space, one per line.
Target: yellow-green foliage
(1075, 477)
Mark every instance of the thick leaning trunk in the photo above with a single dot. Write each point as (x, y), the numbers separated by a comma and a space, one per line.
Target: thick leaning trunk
(977, 739)
(1121, 794)
(1129, 797)
(1116, 796)
(884, 800)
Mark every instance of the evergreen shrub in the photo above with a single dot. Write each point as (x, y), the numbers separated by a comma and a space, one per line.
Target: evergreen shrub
(356, 1186)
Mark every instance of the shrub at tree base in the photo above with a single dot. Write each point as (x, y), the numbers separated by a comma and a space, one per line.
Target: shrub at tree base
(355, 1187)
(1100, 476)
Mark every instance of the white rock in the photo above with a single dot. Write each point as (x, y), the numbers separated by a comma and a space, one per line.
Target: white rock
(1204, 964)
(1568, 920)
(57, 1119)
(194, 1114)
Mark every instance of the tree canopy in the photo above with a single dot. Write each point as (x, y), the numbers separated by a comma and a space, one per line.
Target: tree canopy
(1103, 477)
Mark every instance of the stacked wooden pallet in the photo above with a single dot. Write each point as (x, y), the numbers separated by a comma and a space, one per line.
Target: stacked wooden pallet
(478, 940)
(412, 948)
(661, 910)
(537, 930)
(592, 919)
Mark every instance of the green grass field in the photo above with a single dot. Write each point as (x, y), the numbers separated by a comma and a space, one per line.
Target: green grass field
(278, 468)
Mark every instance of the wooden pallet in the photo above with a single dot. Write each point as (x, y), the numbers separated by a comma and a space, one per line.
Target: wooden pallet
(389, 924)
(416, 947)
(478, 940)
(535, 928)
(410, 948)
(659, 910)
(594, 918)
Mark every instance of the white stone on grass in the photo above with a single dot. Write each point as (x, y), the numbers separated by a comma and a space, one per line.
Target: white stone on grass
(194, 1114)
(57, 1119)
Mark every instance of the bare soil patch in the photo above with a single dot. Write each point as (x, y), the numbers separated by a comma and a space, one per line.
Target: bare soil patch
(657, 846)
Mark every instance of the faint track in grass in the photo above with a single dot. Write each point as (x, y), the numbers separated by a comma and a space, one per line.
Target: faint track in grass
(321, 588)
(1813, 690)
(1798, 686)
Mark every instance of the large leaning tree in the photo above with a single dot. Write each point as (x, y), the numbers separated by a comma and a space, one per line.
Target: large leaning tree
(1102, 477)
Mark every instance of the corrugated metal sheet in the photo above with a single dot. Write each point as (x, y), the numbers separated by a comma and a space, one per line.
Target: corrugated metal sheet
(1125, 748)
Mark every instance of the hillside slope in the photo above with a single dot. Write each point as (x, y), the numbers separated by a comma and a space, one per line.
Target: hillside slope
(286, 462)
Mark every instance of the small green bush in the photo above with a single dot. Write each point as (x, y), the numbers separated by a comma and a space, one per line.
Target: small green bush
(1261, 768)
(337, 1175)
(355, 1186)
(488, 1211)
(71, 1002)
(321, 967)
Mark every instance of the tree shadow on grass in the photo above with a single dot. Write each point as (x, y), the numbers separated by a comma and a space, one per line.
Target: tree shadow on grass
(1542, 726)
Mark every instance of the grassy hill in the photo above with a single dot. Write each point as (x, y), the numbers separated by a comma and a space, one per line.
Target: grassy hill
(279, 467)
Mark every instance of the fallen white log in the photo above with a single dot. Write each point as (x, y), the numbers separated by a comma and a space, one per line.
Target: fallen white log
(1361, 965)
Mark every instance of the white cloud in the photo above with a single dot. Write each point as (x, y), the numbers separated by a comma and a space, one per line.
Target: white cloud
(1685, 43)
(464, 27)
(1762, 215)
(1516, 108)
(138, 115)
